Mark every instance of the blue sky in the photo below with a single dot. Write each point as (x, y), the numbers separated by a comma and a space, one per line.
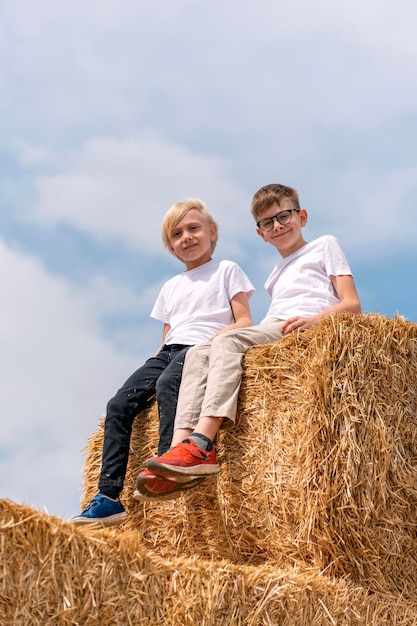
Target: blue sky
(113, 111)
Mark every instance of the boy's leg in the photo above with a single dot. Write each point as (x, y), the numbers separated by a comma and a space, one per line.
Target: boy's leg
(105, 509)
(131, 398)
(193, 386)
(220, 400)
(167, 389)
(224, 369)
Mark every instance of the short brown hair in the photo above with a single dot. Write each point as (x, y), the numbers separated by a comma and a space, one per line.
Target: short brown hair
(272, 194)
(179, 210)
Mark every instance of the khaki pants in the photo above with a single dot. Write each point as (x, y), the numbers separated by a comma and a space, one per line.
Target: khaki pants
(213, 372)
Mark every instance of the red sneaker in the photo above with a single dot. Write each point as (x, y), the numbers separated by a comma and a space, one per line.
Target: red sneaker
(152, 487)
(185, 458)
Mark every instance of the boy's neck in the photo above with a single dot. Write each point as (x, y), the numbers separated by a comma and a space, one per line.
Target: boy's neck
(285, 253)
(193, 265)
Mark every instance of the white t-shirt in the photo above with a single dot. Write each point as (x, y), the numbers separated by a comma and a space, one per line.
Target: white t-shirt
(196, 303)
(300, 284)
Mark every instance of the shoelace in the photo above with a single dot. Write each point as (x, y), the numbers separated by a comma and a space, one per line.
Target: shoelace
(92, 504)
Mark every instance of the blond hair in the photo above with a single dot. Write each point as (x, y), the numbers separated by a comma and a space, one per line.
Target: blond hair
(178, 211)
(272, 194)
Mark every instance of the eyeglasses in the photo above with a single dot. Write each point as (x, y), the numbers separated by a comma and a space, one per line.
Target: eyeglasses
(283, 217)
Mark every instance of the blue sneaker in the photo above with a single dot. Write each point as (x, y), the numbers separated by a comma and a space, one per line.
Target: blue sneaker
(103, 511)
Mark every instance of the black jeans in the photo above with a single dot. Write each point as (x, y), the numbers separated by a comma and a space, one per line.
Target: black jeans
(160, 375)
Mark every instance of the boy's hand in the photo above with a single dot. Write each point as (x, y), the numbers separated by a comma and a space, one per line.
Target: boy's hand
(298, 324)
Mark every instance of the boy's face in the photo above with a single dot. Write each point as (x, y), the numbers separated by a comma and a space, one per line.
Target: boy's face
(287, 237)
(191, 239)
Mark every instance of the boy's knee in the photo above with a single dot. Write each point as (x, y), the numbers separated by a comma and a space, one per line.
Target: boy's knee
(167, 382)
(122, 403)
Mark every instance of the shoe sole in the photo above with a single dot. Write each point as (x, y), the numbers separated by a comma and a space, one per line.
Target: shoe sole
(141, 497)
(142, 493)
(178, 470)
(111, 520)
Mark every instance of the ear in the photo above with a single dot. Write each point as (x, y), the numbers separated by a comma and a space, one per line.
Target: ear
(213, 232)
(303, 217)
(261, 233)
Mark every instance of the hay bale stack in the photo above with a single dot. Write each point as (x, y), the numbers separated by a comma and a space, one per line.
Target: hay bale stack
(320, 471)
(53, 573)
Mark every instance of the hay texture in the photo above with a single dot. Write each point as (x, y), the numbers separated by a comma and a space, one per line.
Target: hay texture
(318, 474)
(55, 575)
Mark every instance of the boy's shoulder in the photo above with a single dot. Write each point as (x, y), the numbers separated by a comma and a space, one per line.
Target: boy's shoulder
(321, 240)
(318, 244)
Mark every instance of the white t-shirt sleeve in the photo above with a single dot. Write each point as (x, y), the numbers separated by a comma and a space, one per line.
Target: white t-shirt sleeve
(160, 310)
(236, 281)
(334, 258)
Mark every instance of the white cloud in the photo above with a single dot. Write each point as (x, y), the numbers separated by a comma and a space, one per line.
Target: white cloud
(369, 211)
(104, 64)
(121, 189)
(56, 374)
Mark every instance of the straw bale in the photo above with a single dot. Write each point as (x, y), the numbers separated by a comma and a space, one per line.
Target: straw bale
(320, 470)
(55, 574)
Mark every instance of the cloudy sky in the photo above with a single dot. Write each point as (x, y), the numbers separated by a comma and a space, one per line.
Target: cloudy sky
(112, 111)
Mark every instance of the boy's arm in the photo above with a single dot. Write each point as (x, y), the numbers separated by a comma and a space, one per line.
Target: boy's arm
(167, 327)
(345, 289)
(241, 312)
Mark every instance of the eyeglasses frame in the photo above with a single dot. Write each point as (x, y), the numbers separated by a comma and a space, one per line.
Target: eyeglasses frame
(277, 218)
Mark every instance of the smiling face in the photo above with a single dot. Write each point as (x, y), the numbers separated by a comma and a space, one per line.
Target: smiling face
(192, 238)
(285, 238)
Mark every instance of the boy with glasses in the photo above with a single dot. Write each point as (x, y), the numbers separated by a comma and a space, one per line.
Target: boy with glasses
(311, 281)
(209, 298)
